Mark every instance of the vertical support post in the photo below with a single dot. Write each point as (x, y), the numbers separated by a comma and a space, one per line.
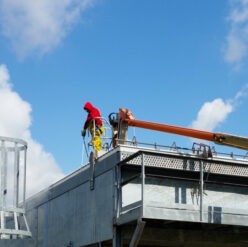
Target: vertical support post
(26, 222)
(2, 220)
(24, 178)
(201, 189)
(94, 136)
(16, 177)
(117, 239)
(142, 183)
(3, 183)
(137, 233)
(16, 221)
(119, 191)
(16, 184)
(2, 175)
(115, 195)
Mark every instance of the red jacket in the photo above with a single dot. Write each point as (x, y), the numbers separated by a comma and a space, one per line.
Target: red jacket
(94, 112)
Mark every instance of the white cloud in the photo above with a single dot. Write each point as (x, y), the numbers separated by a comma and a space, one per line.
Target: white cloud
(212, 114)
(236, 49)
(242, 93)
(4, 77)
(15, 121)
(38, 26)
(237, 38)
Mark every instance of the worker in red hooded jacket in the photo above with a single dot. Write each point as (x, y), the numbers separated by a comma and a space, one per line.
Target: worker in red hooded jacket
(95, 126)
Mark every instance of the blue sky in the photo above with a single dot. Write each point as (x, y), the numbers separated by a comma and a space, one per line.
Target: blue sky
(164, 60)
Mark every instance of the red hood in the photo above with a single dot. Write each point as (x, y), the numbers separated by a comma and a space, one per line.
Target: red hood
(88, 106)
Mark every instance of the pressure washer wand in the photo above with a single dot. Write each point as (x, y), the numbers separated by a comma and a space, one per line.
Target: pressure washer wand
(85, 148)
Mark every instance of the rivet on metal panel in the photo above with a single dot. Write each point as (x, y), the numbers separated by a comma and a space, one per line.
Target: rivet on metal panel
(70, 244)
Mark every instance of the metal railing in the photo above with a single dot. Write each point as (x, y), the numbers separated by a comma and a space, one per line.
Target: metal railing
(179, 149)
(106, 136)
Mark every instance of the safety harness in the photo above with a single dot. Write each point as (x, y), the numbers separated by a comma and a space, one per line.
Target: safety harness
(98, 128)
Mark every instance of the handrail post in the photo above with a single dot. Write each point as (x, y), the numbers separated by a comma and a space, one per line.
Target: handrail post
(142, 183)
(201, 189)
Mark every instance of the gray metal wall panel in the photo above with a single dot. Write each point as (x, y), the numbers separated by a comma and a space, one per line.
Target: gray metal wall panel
(71, 181)
(69, 184)
(107, 163)
(36, 199)
(32, 218)
(37, 205)
(17, 243)
(180, 200)
(171, 193)
(81, 215)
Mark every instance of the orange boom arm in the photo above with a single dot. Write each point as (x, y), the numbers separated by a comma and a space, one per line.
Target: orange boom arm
(218, 138)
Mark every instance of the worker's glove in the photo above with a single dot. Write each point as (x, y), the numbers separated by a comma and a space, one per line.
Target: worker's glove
(83, 132)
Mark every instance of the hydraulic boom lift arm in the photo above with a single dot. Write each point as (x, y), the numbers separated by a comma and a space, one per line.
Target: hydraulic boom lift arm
(219, 138)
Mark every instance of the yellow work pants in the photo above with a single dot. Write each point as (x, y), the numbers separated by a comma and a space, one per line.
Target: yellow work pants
(96, 137)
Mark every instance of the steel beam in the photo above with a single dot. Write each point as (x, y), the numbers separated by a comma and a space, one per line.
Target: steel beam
(143, 183)
(137, 233)
(117, 238)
